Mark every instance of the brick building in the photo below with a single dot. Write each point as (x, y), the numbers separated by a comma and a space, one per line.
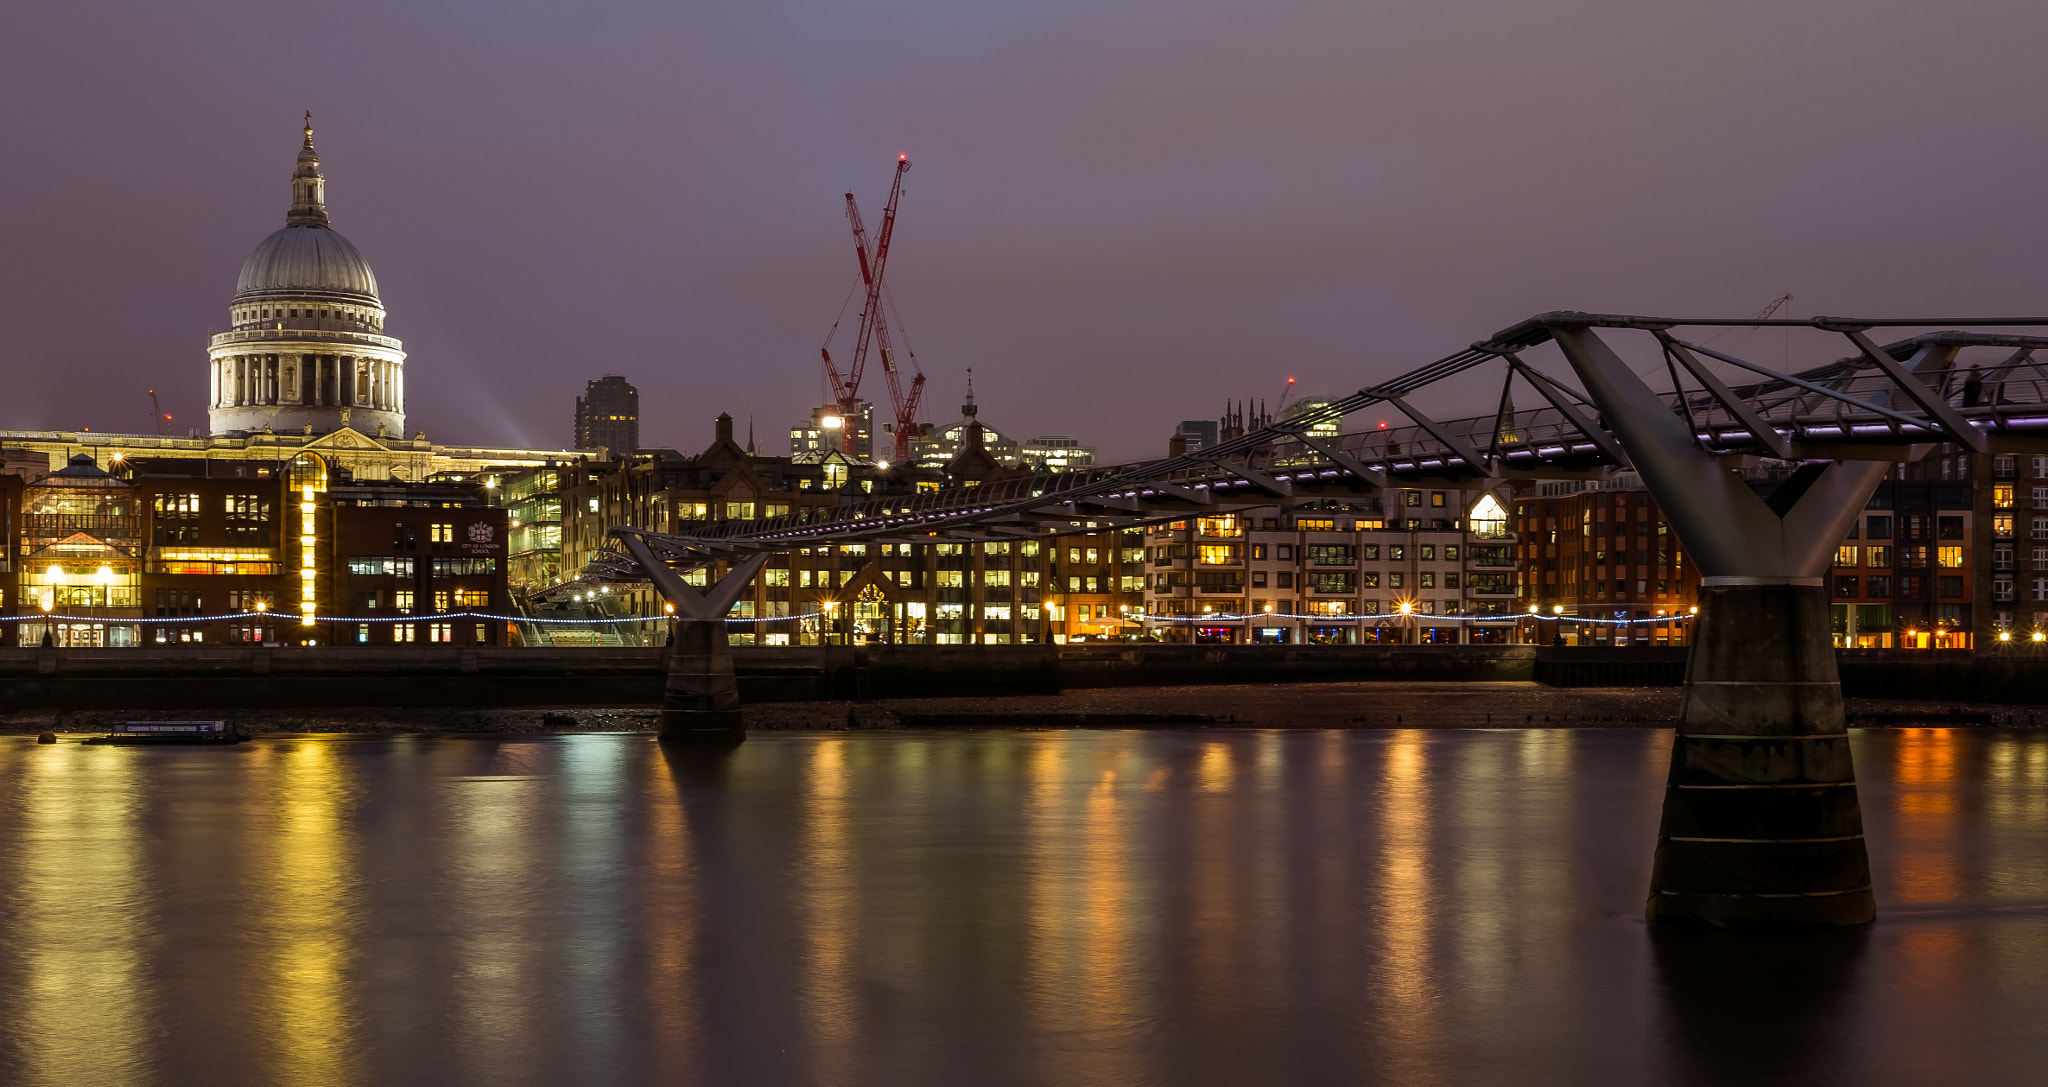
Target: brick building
(1600, 552)
(167, 550)
(1418, 564)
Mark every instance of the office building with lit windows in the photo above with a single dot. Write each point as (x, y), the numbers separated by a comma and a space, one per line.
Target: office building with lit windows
(1599, 565)
(1415, 565)
(608, 416)
(181, 551)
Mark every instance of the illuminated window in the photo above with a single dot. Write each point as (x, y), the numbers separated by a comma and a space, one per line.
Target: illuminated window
(1846, 555)
(739, 511)
(401, 632)
(402, 600)
(1951, 557)
(472, 598)
(441, 632)
(1316, 524)
(441, 533)
(2001, 496)
(1217, 554)
(1488, 519)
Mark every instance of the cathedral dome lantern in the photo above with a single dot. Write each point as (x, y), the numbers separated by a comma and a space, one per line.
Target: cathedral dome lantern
(306, 344)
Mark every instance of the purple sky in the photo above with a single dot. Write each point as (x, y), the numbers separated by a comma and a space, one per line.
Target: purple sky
(1119, 214)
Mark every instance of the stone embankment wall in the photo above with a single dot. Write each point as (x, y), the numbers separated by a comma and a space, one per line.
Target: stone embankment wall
(340, 676)
(249, 677)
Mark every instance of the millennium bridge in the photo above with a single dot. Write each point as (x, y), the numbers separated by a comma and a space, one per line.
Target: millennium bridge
(1761, 823)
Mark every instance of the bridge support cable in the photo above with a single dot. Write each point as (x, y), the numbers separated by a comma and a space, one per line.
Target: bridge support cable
(1735, 406)
(1809, 386)
(1558, 396)
(1932, 358)
(1256, 478)
(700, 699)
(1761, 823)
(1457, 446)
(1344, 460)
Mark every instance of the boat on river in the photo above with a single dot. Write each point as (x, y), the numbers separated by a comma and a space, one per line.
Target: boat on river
(170, 732)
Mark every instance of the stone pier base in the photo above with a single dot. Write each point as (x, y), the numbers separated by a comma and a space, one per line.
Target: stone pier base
(1761, 822)
(701, 698)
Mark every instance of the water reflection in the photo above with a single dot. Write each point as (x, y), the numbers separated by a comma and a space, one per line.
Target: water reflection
(1760, 1007)
(307, 914)
(1149, 907)
(80, 921)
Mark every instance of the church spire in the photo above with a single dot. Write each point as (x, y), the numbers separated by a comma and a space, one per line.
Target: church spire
(309, 189)
(968, 409)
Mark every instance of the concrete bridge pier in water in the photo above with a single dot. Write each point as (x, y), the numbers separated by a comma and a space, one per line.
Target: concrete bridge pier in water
(700, 700)
(1761, 822)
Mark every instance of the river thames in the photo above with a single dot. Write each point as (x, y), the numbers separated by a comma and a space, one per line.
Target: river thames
(1193, 907)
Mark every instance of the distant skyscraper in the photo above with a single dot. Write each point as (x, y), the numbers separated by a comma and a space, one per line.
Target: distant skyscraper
(608, 416)
(1198, 432)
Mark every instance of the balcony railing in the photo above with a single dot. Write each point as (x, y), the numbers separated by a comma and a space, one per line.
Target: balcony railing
(60, 525)
(303, 335)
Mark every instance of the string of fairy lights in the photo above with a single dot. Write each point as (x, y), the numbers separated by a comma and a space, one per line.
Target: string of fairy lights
(262, 615)
(437, 617)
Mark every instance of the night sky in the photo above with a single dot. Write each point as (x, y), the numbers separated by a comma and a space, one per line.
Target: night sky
(1119, 214)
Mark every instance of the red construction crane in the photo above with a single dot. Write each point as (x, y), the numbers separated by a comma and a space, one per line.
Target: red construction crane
(874, 328)
(156, 412)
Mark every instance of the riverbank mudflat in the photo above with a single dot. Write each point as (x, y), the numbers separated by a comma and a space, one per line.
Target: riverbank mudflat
(1367, 705)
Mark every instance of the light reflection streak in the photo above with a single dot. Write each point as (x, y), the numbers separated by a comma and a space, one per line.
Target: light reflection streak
(81, 1014)
(497, 874)
(674, 914)
(308, 917)
(1925, 815)
(1080, 975)
(1412, 1037)
(593, 880)
(1216, 955)
(829, 913)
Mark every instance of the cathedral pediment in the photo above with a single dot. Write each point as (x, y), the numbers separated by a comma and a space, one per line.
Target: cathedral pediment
(347, 438)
